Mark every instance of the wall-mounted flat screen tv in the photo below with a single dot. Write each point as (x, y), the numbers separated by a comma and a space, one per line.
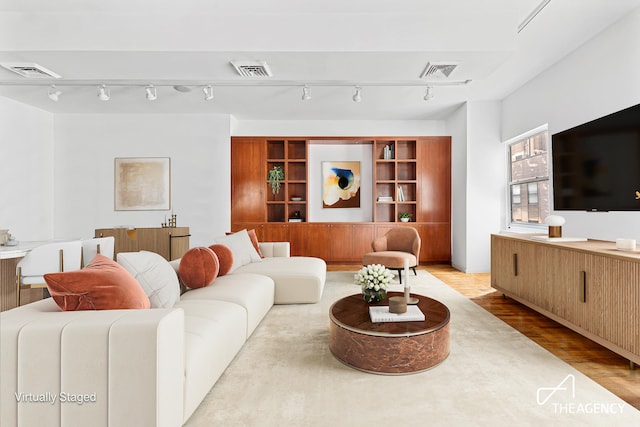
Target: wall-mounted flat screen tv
(596, 166)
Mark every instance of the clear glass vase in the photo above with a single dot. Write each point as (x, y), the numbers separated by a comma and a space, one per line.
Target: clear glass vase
(372, 296)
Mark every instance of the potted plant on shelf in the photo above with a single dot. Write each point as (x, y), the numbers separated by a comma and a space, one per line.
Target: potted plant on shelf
(276, 174)
(404, 216)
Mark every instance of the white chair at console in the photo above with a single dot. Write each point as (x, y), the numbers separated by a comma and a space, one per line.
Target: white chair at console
(100, 245)
(47, 258)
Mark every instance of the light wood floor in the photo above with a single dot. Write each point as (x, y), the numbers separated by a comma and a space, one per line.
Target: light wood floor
(598, 363)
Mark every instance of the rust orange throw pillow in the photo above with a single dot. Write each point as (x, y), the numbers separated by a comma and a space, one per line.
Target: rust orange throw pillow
(198, 267)
(103, 284)
(254, 240)
(225, 257)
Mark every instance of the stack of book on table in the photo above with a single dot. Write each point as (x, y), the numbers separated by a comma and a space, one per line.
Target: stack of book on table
(380, 313)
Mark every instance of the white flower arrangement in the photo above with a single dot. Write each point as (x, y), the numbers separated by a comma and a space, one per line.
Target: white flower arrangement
(374, 277)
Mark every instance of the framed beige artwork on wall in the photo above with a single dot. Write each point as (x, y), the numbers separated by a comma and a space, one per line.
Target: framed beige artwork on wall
(142, 183)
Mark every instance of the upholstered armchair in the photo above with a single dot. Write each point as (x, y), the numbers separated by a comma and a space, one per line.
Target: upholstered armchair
(392, 249)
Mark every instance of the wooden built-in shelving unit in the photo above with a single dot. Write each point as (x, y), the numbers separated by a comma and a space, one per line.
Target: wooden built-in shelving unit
(420, 166)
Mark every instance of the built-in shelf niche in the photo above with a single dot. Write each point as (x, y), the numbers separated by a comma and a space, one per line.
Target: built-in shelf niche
(396, 177)
(291, 155)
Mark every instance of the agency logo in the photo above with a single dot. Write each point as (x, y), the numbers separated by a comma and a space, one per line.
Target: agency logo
(568, 384)
(561, 397)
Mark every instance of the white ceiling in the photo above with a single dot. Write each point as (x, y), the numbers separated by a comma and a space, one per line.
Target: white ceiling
(333, 45)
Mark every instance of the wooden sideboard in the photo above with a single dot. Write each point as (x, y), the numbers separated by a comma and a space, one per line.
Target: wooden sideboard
(590, 287)
(170, 242)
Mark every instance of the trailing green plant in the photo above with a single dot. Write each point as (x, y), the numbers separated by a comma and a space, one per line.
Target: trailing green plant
(276, 174)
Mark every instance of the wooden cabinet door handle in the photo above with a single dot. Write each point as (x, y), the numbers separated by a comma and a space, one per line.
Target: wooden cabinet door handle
(515, 265)
(583, 287)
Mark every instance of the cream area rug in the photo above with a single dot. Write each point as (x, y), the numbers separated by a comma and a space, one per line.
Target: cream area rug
(494, 376)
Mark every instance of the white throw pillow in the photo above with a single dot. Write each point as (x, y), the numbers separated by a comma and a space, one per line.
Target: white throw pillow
(243, 251)
(156, 276)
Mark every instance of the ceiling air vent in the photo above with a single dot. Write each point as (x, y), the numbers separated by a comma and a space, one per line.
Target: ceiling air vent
(30, 70)
(438, 70)
(252, 68)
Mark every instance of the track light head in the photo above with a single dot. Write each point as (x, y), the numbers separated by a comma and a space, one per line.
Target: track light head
(208, 92)
(54, 93)
(151, 93)
(306, 93)
(428, 93)
(357, 96)
(103, 93)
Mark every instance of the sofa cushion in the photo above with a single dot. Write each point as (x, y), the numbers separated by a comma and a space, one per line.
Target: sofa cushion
(243, 251)
(298, 279)
(156, 276)
(102, 285)
(198, 267)
(215, 331)
(225, 258)
(254, 292)
(254, 240)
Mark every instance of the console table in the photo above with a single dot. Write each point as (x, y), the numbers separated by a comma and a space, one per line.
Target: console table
(589, 287)
(170, 242)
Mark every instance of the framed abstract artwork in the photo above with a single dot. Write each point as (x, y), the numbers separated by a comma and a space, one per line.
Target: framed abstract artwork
(341, 184)
(142, 183)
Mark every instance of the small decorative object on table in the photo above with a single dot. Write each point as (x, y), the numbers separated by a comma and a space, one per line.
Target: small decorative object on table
(374, 279)
(555, 223)
(407, 289)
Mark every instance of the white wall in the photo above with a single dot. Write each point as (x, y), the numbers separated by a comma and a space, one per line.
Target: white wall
(485, 183)
(457, 128)
(319, 153)
(597, 79)
(85, 148)
(26, 171)
(339, 127)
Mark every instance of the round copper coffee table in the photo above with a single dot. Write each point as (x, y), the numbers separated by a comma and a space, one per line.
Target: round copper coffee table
(393, 348)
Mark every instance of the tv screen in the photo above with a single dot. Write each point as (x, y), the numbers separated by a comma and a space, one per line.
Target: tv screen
(596, 166)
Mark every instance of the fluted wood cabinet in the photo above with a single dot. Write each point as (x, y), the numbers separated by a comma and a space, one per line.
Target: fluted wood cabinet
(170, 242)
(420, 166)
(589, 286)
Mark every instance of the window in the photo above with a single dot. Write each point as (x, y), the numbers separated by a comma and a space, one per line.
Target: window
(529, 179)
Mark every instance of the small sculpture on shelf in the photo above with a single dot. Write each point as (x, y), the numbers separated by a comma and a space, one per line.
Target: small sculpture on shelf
(295, 217)
(172, 223)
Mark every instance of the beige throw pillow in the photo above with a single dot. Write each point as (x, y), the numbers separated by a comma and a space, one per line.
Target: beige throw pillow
(243, 251)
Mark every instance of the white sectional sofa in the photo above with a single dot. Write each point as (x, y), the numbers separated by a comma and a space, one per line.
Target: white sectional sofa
(141, 367)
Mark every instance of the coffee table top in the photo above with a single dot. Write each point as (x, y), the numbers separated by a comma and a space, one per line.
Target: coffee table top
(352, 313)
